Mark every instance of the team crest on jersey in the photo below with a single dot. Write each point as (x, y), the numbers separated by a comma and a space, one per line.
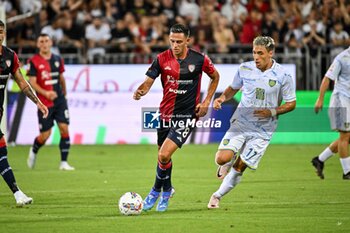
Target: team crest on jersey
(225, 142)
(8, 63)
(272, 83)
(57, 64)
(191, 67)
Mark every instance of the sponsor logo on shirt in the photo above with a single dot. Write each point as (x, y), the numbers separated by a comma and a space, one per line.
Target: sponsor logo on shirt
(180, 92)
(171, 79)
(246, 68)
(47, 75)
(51, 82)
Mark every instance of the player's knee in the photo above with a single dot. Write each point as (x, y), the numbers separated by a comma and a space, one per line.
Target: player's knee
(64, 135)
(163, 157)
(63, 129)
(42, 138)
(223, 157)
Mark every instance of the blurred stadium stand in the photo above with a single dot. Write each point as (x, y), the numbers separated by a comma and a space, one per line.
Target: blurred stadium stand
(223, 29)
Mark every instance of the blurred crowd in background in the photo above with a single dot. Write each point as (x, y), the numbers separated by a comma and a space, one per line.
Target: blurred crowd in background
(95, 28)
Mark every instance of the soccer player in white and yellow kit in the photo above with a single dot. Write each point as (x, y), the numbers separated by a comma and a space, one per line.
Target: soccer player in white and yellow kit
(264, 84)
(339, 113)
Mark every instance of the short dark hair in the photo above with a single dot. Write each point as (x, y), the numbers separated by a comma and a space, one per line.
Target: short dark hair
(2, 24)
(180, 28)
(43, 35)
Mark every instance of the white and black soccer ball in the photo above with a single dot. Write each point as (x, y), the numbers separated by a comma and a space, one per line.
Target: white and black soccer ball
(130, 204)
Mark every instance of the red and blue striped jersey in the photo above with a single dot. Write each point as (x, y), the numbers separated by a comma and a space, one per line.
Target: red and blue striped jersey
(47, 73)
(181, 81)
(9, 64)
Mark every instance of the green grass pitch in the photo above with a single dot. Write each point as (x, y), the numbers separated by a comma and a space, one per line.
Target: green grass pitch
(283, 195)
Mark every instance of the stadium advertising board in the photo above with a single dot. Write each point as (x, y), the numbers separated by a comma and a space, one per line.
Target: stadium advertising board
(102, 110)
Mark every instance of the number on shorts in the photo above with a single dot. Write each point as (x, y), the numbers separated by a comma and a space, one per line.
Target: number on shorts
(66, 114)
(251, 153)
(184, 133)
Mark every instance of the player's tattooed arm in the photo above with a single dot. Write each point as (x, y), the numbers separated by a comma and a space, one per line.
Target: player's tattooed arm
(25, 87)
(29, 92)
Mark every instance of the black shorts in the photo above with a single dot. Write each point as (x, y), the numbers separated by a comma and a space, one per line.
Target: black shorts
(59, 113)
(175, 133)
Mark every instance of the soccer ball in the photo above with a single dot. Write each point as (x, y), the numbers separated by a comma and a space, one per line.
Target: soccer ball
(130, 204)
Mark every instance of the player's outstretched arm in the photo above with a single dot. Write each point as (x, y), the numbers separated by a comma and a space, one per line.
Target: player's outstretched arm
(28, 91)
(202, 108)
(227, 95)
(323, 88)
(143, 88)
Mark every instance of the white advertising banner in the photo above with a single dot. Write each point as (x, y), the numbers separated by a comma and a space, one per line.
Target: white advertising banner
(101, 107)
(96, 118)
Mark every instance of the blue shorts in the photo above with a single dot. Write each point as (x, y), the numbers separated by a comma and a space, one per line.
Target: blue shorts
(175, 133)
(59, 113)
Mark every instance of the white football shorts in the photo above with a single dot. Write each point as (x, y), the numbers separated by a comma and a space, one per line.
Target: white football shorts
(251, 148)
(339, 112)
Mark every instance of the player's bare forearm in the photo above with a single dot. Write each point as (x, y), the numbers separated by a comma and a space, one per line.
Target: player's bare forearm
(287, 107)
(63, 85)
(228, 94)
(215, 77)
(29, 92)
(25, 87)
(143, 88)
(48, 94)
(36, 87)
(202, 108)
(273, 112)
(324, 87)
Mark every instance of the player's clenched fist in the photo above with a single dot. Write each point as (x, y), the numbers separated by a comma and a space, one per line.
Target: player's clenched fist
(138, 94)
(217, 103)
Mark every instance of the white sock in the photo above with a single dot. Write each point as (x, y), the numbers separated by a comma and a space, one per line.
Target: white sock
(345, 163)
(326, 154)
(229, 182)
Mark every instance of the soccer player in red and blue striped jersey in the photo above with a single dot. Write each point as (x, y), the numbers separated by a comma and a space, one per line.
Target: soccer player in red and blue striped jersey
(46, 76)
(181, 71)
(9, 65)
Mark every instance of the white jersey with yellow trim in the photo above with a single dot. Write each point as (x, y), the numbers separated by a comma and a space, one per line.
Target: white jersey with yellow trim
(261, 90)
(339, 72)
